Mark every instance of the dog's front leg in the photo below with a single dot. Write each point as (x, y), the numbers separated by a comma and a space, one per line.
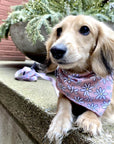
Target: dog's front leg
(62, 121)
(90, 123)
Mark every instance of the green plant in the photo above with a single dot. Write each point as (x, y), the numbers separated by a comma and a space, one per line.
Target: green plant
(17, 15)
(50, 12)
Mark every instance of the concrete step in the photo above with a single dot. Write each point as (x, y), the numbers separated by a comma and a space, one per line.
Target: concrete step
(33, 104)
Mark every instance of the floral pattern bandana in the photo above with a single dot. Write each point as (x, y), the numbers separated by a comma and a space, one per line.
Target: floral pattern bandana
(87, 90)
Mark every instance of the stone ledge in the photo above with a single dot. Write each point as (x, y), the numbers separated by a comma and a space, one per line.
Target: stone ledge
(33, 104)
(11, 132)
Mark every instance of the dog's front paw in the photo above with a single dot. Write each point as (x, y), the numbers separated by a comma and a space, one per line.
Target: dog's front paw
(89, 123)
(59, 127)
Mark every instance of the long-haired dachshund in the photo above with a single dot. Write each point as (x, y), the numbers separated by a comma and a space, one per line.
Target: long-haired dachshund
(82, 50)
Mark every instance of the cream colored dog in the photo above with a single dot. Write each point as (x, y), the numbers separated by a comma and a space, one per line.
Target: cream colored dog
(80, 44)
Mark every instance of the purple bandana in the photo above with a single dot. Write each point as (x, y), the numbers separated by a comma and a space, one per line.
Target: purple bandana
(87, 90)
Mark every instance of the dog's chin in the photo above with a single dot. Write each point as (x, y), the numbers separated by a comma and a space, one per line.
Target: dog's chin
(75, 67)
(66, 65)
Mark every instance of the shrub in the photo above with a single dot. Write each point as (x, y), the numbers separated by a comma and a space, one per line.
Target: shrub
(50, 12)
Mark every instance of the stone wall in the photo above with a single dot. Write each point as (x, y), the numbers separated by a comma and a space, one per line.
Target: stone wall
(10, 132)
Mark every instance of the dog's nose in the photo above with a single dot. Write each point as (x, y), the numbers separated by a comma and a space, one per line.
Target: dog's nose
(58, 51)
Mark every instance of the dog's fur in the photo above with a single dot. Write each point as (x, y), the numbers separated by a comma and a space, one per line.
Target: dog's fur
(92, 52)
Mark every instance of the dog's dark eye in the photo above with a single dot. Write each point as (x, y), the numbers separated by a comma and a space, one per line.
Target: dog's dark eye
(84, 30)
(59, 31)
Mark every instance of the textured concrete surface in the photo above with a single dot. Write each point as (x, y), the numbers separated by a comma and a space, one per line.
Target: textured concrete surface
(10, 132)
(33, 105)
(28, 102)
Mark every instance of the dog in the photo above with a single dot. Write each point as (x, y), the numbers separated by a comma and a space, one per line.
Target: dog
(82, 50)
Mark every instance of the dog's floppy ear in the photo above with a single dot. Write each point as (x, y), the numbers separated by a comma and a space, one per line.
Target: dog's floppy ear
(50, 65)
(102, 59)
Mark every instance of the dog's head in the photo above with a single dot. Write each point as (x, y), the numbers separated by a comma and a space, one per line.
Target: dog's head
(81, 43)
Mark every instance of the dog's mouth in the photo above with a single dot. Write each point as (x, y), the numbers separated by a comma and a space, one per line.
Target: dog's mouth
(61, 61)
(65, 64)
(66, 61)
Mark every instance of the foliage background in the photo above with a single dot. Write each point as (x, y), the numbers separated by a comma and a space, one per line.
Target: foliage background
(50, 12)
